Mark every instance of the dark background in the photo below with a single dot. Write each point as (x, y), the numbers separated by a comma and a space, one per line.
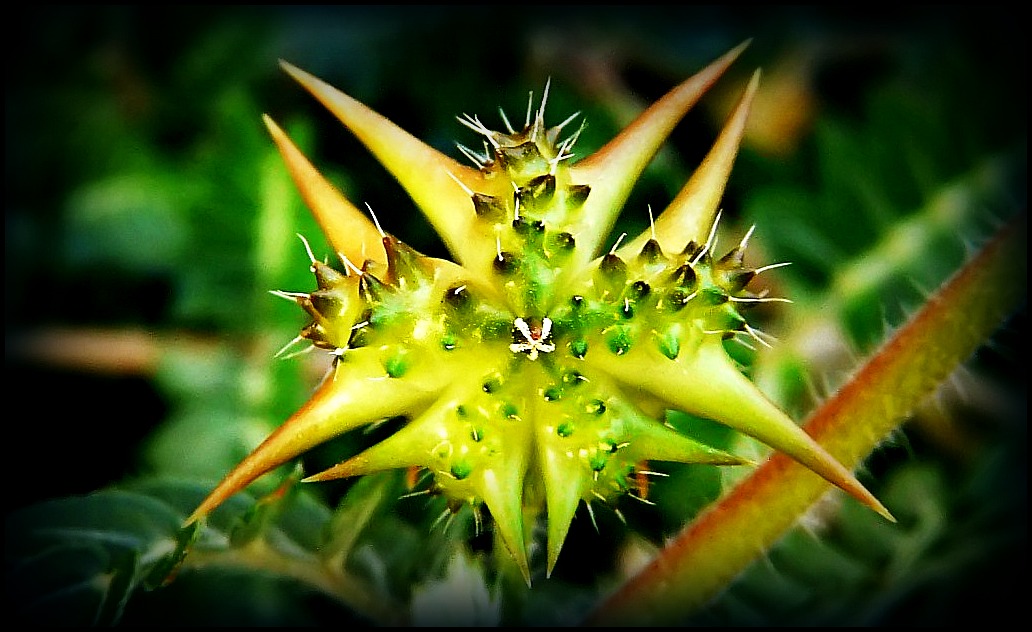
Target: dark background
(93, 94)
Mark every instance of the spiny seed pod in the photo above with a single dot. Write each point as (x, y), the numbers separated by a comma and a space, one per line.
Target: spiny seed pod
(532, 363)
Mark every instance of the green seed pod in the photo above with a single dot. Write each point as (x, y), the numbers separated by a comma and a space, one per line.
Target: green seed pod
(530, 364)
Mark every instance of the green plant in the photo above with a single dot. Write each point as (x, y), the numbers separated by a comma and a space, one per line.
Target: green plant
(381, 559)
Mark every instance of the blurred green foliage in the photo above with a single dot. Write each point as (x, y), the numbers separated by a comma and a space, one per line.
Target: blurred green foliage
(142, 192)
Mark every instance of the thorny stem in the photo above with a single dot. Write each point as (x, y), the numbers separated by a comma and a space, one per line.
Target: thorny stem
(708, 554)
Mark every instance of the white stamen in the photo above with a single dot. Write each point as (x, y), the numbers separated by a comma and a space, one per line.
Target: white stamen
(522, 326)
(760, 299)
(473, 157)
(293, 297)
(569, 119)
(641, 499)
(553, 164)
(307, 349)
(308, 248)
(535, 343)
(564, 152)
(544, 100)
(474, 124)
(347, 264)
(290, 344)
(737, 338)
(711, 241)
(465, 188)
(440, 518)
(745, 240)
(591, 514)
(612, 250)
(756, 333)
(772, 266)
(505, 120)
(569, 142)
(652, 222)
(375, 221)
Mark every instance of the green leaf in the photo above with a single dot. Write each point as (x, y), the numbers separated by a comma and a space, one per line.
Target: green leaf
(76, 560)
(361, 504)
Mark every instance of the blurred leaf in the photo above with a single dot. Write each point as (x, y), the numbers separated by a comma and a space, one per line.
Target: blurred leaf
(74, 560)
(131, 221)
(460, 599)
